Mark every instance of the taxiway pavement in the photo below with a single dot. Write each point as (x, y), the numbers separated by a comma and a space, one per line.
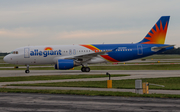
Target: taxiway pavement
(144, 73)
(16, 102)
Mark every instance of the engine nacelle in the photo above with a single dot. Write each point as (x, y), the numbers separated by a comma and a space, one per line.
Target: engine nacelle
(64, 64)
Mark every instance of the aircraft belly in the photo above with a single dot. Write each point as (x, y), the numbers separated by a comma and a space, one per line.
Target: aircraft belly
(123, 56)
(97, 60)
(35, 61)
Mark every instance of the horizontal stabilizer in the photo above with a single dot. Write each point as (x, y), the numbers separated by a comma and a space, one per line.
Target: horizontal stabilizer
(160, 48)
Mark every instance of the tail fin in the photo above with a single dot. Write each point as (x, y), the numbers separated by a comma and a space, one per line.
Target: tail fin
(157, 34)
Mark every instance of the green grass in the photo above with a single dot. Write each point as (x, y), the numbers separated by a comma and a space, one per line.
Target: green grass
(12, 65)
(128, 67)
(166, 56)
(36, 68)
(170, 83)
(1, 59)
(7, 65)
(53, 77)
(88, 93)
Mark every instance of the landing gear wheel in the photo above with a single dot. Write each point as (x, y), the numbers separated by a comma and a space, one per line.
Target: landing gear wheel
(26, 71)
(85, 69)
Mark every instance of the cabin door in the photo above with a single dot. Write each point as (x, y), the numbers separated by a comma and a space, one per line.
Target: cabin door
(139, 49)
(26, 53)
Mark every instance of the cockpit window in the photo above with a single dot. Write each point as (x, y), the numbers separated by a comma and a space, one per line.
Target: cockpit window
(14, 52)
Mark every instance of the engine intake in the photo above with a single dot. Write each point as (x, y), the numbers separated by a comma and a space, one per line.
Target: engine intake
(64, 64)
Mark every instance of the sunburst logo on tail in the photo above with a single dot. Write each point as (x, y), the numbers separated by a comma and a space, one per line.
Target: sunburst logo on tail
(157, 34)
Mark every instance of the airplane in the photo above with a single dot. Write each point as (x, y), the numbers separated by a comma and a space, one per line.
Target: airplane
(66, 57)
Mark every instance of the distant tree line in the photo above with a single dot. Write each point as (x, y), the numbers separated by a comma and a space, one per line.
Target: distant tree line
(3, 54)
(172, 51)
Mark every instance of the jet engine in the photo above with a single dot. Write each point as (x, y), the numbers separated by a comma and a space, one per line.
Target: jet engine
(64, 64)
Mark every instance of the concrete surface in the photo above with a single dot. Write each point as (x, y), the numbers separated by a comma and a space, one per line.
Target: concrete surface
(18, 102)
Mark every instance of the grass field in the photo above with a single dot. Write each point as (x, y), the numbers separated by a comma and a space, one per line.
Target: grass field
(89, 93)
(53, 77)
(170, 83)
(128, 67)
(163, 57)
(12, 65)
(1, 59)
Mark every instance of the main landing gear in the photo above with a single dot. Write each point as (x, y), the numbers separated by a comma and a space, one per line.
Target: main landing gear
(85, 69)
(27, 70)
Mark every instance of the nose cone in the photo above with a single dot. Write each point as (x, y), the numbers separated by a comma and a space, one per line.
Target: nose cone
(6, 59)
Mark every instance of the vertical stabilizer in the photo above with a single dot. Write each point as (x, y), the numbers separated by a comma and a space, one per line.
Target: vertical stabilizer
(157, 34)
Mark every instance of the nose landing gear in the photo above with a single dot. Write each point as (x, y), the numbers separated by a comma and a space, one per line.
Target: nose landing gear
(27, 70)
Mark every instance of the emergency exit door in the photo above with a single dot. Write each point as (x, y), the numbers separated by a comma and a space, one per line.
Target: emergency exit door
(26, 53)
(139, 50)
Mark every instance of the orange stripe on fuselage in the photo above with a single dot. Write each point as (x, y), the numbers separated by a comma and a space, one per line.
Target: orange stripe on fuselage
(109, 58)
(93, 48)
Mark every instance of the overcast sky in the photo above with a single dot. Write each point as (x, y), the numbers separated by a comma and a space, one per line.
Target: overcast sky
(60, 22)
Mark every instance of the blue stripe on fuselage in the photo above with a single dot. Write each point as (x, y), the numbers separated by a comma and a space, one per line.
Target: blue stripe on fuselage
(125, 52)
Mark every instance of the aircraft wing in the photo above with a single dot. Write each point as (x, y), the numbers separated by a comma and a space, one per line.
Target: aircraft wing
(89, 55)
(160, 48)
(84, 57)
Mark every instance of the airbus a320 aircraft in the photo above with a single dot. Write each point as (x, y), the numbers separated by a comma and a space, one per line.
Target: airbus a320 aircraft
(68, 56)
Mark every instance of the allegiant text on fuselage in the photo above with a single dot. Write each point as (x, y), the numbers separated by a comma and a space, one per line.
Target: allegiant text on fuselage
(44, 53)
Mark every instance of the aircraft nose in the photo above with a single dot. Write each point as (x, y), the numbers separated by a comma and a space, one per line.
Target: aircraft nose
(5, 59)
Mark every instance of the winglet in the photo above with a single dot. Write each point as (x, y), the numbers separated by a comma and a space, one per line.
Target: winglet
(157, 34)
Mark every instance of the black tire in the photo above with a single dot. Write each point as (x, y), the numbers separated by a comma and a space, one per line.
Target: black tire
(87, 69)
(83, 69)
(27, 71)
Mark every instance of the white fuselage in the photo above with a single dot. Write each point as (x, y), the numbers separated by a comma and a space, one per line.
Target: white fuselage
(33, 55)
